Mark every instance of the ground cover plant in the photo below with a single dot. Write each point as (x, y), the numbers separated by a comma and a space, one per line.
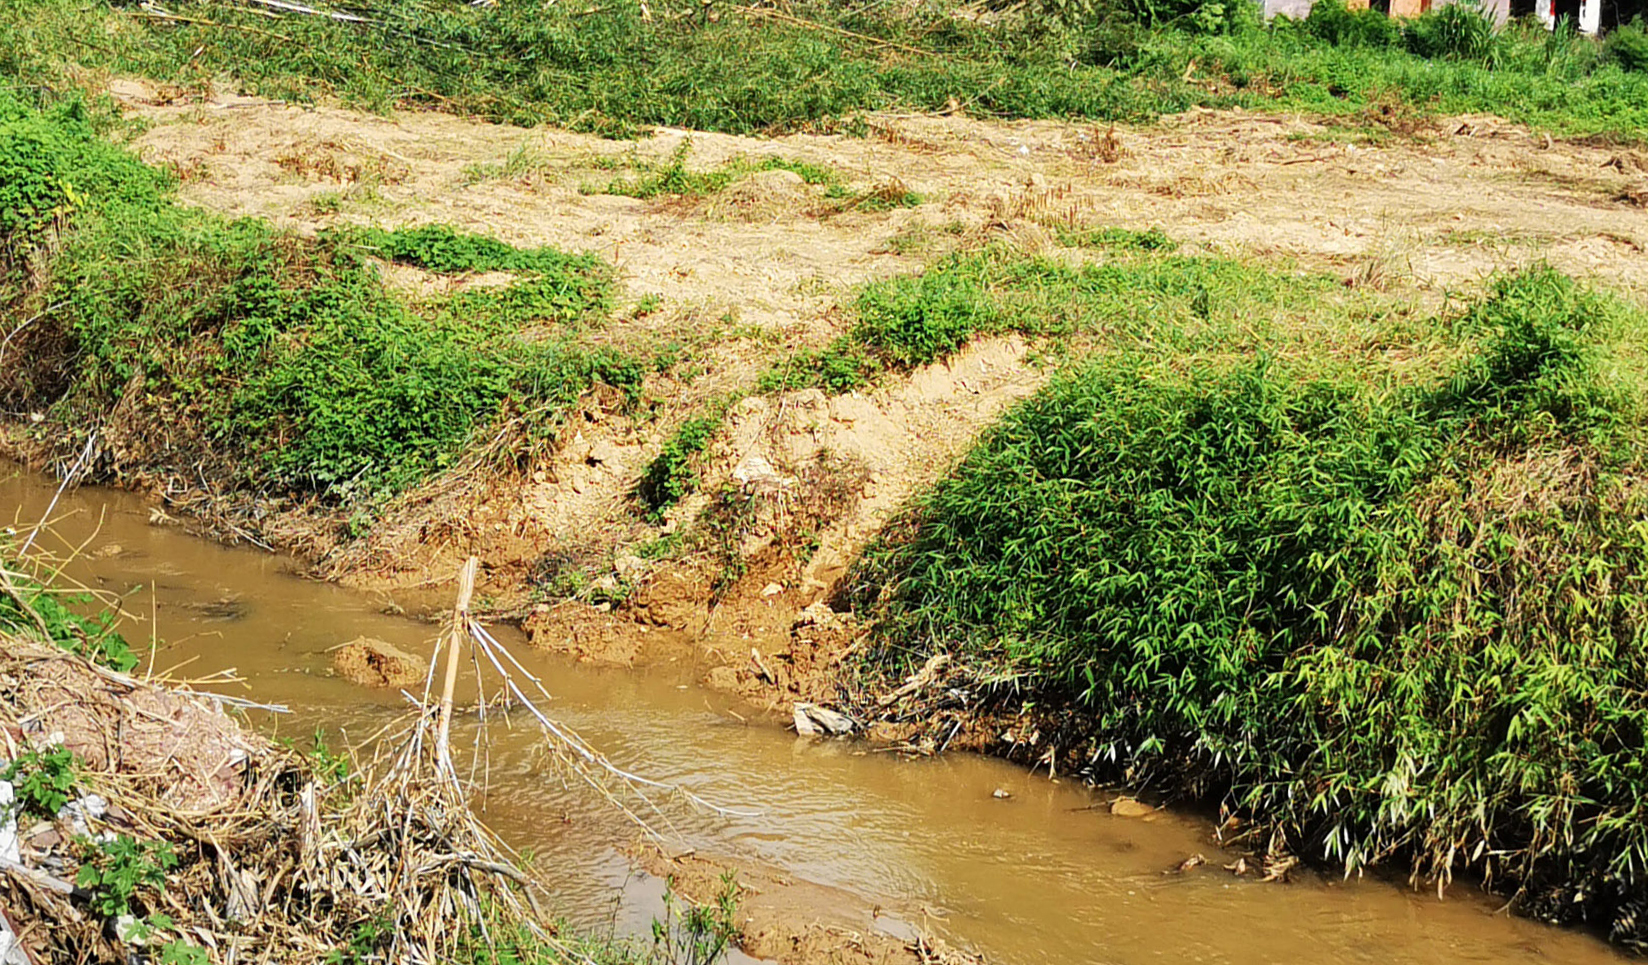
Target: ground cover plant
(677, 180)
(268, 363)
(618, 68)
(1390, 619)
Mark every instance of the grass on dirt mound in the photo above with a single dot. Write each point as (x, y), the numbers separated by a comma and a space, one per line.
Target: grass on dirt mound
(234, 353)
(616, 68)
(1392, 623)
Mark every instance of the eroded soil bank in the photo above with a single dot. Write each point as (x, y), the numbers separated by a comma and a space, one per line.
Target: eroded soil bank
(753, 274)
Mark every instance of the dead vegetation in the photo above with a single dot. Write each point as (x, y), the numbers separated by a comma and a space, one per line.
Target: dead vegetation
(272, 856)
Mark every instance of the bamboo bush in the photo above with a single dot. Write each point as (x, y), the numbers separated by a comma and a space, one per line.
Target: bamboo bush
(1392, 624)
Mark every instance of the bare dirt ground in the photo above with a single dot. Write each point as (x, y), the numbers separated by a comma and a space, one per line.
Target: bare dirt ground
(748, 276)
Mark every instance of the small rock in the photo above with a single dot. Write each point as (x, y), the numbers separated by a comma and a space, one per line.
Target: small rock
(722, 678)
(755, 470)
(376, 663)
(82, 812)
(813, 719)
(1126, 807)
(820, 615)
(577, 450)
(1001, 794)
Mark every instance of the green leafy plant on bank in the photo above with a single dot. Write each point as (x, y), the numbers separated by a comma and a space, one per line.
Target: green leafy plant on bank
(677, 180)
(671, 476)
(270, 362)
(694, 934)
(1141, 292)
(68, 620)
(43, 780)
(1390, 623)
(116, 871)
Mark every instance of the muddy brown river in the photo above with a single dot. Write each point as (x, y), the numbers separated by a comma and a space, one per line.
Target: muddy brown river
(880, 842)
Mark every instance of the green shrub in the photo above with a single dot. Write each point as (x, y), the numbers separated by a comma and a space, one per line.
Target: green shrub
(43, 780)
(35, 608)
(120, 869)
(1628, 45)
(1117, 239)
(54, 162)
(1334, 22)
(917, 320)
(280, 364)
(670, 476)
(1461, 30)
(1403, 622)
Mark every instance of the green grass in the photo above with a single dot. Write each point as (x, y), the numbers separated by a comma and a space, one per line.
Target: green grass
(268, 362)
(671, 475)
(611, 71)
(1142, 293)
(28, 606)
(1394, 618)
(675, 179)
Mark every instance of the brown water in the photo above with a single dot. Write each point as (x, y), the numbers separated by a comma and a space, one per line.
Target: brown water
(1028, 879)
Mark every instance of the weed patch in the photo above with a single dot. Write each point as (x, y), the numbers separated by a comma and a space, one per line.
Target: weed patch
(670, 476)
(1142, 293)
(27, 607)
(675, 179)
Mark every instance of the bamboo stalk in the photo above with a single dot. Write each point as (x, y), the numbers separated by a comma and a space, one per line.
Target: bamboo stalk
(458, 633)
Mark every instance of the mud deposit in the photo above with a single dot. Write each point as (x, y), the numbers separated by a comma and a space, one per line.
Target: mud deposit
(854, 850)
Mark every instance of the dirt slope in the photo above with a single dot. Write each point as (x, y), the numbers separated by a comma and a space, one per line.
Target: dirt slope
(747, 276)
